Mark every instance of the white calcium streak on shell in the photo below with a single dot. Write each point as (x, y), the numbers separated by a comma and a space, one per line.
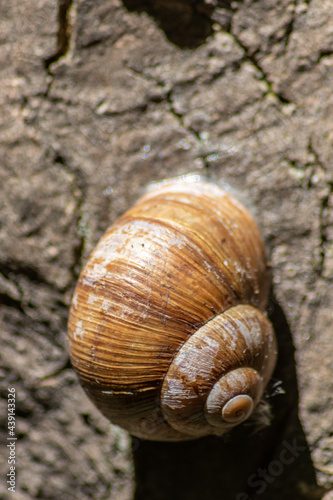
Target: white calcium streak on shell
(177, 393)
(251, 331)
(105, 305)
(197, 361)
(92, 298)
(230, 336)
(75, 301)
(79, 330)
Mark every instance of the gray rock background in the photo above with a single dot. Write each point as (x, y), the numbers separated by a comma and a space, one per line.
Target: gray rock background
(99, 98)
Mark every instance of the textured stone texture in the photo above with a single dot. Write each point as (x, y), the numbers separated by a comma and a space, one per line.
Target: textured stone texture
(98, 98)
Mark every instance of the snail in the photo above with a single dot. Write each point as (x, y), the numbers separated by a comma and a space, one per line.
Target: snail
(167, 329)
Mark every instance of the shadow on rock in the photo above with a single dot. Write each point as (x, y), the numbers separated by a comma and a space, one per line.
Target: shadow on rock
(186, 23)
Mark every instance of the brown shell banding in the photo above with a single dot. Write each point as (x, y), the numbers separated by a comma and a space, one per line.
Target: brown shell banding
(233, 354)
(183, 254)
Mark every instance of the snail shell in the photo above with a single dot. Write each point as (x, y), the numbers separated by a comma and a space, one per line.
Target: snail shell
(166, 329)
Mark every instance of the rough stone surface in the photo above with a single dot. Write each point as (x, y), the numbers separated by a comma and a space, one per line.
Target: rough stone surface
(99, 98)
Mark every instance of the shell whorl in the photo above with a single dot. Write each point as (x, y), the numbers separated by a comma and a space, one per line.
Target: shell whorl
(219, 374)
(185, 257)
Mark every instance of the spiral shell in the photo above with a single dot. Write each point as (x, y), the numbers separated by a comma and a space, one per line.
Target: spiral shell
(166, 329)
